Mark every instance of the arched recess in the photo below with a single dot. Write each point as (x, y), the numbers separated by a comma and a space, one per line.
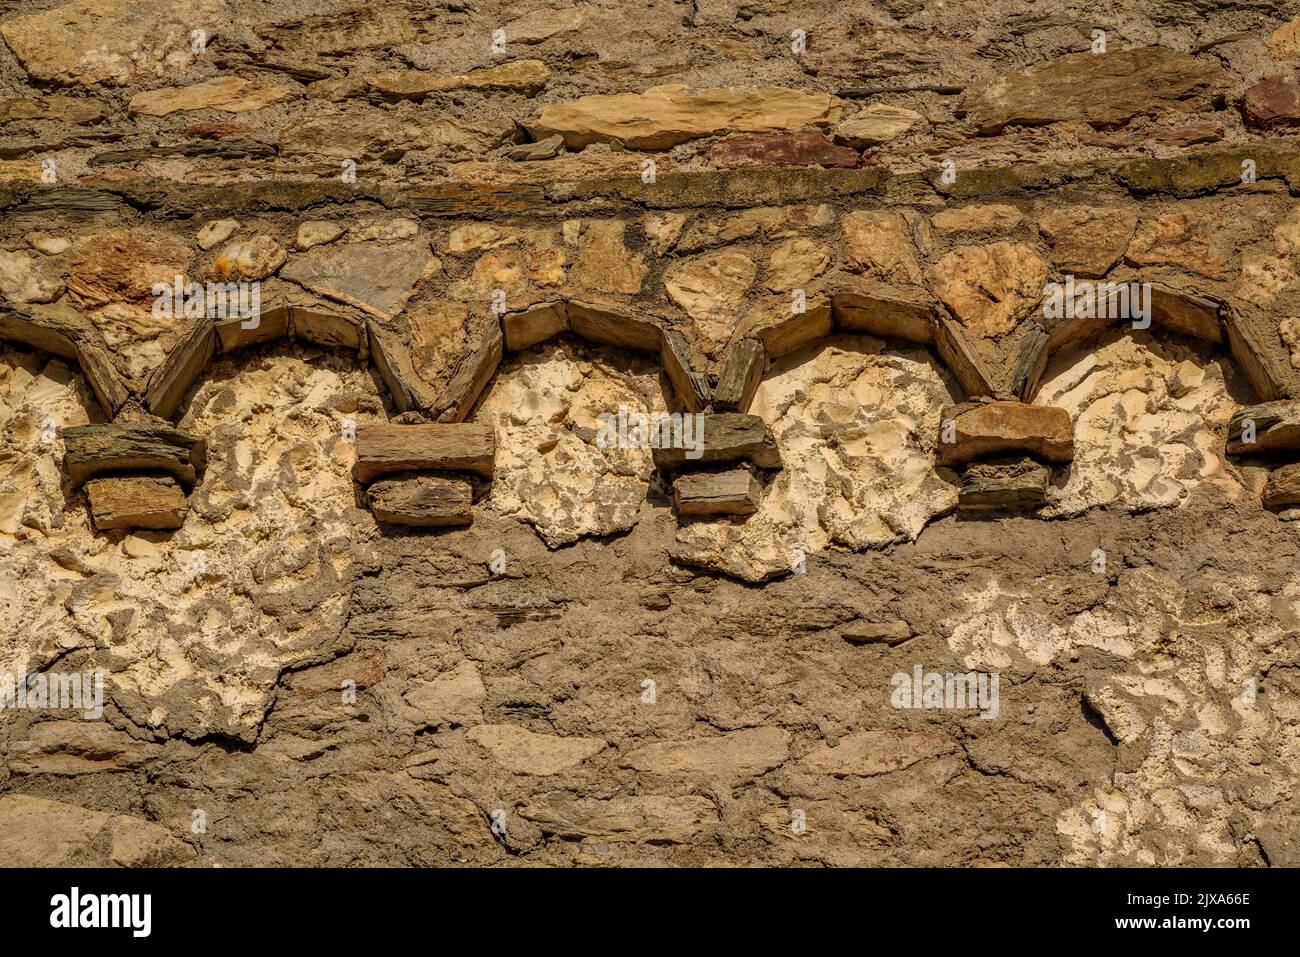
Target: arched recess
(870, 309)
(61, 336)
(1174, 310)
(552, 470)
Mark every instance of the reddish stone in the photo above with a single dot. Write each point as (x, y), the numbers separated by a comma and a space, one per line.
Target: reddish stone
(987, 429)
(1272, 103)
(780, 149)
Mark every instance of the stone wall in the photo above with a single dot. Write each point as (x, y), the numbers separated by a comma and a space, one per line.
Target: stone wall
(367, 585)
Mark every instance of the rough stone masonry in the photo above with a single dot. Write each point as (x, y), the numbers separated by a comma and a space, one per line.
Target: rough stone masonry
(311, 318)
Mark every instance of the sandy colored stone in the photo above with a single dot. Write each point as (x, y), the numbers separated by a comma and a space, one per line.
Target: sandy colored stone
(85, 42)
(317, 232)
(878, 123)
(711, 290)
(520, 76)
(216, 232)
(35, 832)
(795, 263)
(604, 262)
(136, 502)
(868, 753)
(640, 818)
(736, 754)
(990, 288)
(879, 244)
(1284, 42)
(986, 429)
(454, 697)
(1176, 239)
(664, 116)
(230, 94)
(528, 752)
(994, 216)
(1087, 240)
(24, 280)
(1103, 89)
(248, 259)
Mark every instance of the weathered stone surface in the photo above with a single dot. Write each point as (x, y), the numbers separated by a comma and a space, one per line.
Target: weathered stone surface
(326, 327)
(991, 217)
(247, 260)
(379, 279)
(25, 280)
(711, 290)
(646, 818)
(868, 753)
(528, 328)
(691, 387)
(185, 360)
(35, 832)
(528, 752)
(782, 331)
(1014, 484)
(1105, 90)
(1257, 362)
(610, 326)
(1186, 312)
(1272, 103)
(230, 94)
(664, 116)
(807, 148)
(92, 450)
(1149, 416)
(1087, 240)
(604, 262)
(885, 311)
(795, 263)
(959, 355)
(363, 669)
(77, 746)
(986, 429)
(520, 76)
(553, 471)
(736, 492)
(877, 632)
(879, 244)
(136, 501)
(728, 437)
(422, 501)
(216, 232)
(990, 288)
(1282, 490)
(1276, 426)
(75, 110)
(878, 123)
(85, 42)
(454, 697)
(123, 265)
(316, 232)
(389, 449)
(1177, 239)
(741, 372)
(735, 755)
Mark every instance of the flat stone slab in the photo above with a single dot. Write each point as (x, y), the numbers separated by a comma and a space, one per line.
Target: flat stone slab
(136, 501)
(727, 437)
(92, 450)
(379, 279)
(1276, 427)
(736, 492)
(987, 429)
(439, 447)
(422, 501)
(877, 632)
(1013, 485)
